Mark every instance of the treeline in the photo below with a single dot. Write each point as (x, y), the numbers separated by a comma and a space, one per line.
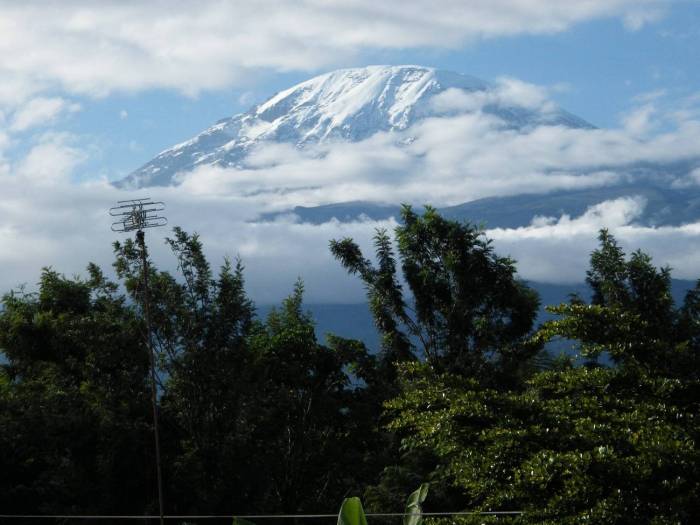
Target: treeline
(258, 416)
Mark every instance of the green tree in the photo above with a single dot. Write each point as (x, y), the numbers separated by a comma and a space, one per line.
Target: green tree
(632, 316)
(74, 417)
(200, 324)
(256, 414)
(317, 425)
(466, 312)
(589, 444)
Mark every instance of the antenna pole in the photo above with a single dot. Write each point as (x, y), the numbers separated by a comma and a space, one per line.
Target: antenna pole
(141, 239)
(137, 215)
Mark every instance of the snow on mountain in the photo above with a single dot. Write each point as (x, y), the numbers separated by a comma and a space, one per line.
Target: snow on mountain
(348, 104)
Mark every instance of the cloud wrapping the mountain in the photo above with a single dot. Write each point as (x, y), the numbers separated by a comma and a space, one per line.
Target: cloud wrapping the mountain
(463, 154)
(67, 225)
(98, 47)
(561, 246)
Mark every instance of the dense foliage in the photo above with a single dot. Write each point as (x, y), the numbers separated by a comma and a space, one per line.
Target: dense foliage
(257, 415)
(586, 444)
(74, 412)
(466, 313)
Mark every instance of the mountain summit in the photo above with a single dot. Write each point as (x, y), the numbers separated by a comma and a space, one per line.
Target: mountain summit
(346, 105)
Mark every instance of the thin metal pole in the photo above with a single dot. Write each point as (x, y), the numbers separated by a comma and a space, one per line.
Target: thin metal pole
(496, 513)
(141, 238)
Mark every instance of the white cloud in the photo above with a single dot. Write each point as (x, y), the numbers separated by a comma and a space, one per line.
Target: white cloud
(17, 88)
(506, 92)
(123, 114)
(558, 250)
(66, 226)
(689, 180)
(50, 161)
(463, 155)
(513, 92)
(40, 111)
(92, 48)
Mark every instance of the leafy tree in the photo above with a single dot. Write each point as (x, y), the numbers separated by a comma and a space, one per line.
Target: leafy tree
(259, 414)
(254, 414)
(200, 324)
(578, 444)
(74, 417)
(466, 311)
(316, 425)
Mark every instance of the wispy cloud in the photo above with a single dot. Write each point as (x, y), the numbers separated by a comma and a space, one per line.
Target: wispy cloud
(41, 111)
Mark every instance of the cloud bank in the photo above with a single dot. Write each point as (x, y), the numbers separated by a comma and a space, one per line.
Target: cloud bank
(48, 219)
(54, 53)
(465, 153)
(95, 48)
(67, 226)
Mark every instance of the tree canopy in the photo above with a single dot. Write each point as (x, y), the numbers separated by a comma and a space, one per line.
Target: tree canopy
(594, 443)
(258, 415)
(465, 311)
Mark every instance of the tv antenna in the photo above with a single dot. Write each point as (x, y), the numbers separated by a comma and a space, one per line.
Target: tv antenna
(139, 214)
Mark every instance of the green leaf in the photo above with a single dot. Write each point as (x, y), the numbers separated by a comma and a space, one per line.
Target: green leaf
(351, 512)
(414, 512)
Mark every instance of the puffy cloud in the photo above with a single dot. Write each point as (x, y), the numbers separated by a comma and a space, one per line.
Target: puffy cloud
(40, 111)
(50, 161)
(86, 47)
(467, 153)
(462, 155)
(557, 249)
(506, 92)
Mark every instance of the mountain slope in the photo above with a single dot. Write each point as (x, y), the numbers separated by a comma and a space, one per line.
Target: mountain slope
(662, 207)
(344, 105)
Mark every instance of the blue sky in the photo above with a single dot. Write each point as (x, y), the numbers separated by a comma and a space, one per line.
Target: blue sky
(596, 68)
(91, 91)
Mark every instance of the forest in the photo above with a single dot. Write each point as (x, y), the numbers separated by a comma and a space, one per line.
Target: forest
(259, 416)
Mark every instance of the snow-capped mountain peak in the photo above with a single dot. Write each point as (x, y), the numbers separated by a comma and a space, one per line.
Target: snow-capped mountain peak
(342, 102)
(347, 104)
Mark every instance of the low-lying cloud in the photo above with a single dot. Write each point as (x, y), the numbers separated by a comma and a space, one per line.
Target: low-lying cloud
(47, 218)
(67, 226)
(466, 152)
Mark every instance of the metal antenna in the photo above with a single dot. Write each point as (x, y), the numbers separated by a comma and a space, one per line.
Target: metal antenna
(138, 214)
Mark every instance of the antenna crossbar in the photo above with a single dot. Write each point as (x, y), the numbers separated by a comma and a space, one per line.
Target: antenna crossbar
(137, 214)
